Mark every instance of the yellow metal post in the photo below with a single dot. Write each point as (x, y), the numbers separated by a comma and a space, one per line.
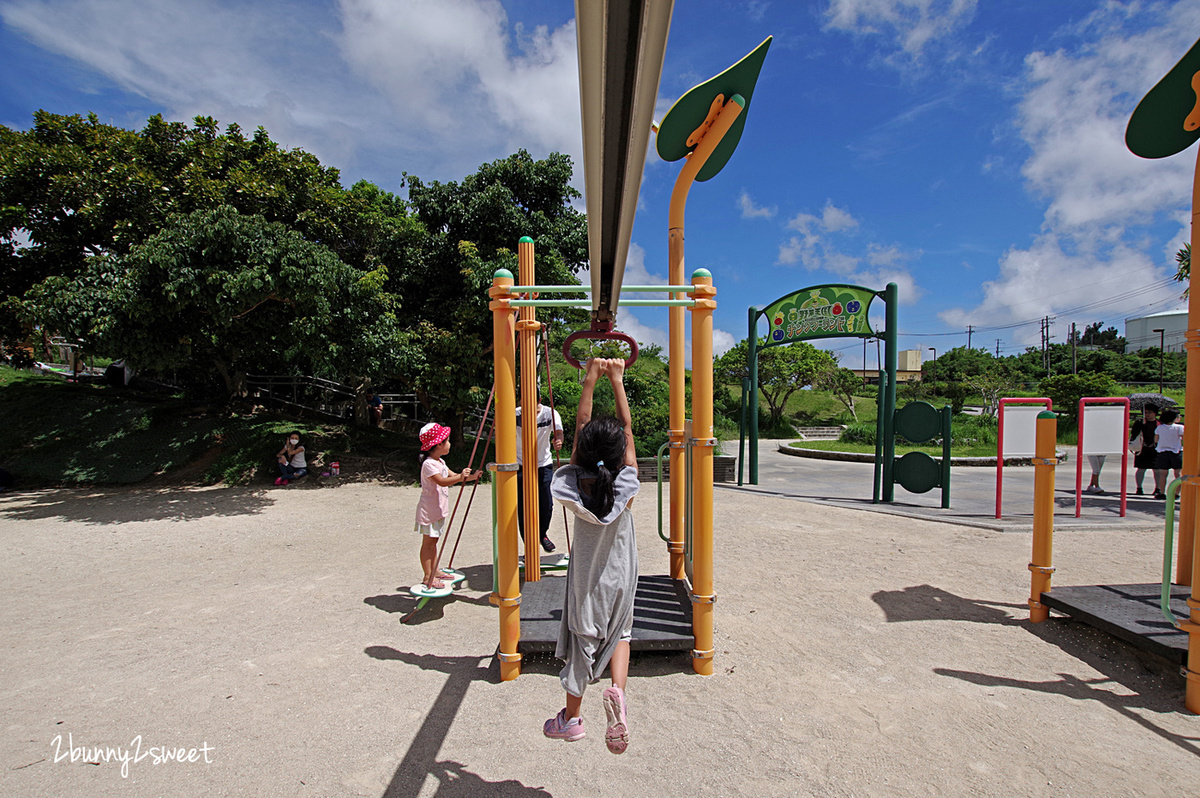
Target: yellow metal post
(508, 587)
(675, 324)
(702, 471)
(527, 327)
(1040, 565)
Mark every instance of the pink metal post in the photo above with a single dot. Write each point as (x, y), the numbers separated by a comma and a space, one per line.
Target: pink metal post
(1000, 440)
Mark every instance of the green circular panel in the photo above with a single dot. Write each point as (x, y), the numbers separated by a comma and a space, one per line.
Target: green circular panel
(917, 472)
(918, 422)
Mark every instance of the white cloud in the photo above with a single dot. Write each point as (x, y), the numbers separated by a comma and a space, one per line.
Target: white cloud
(752, 211)
(913, 24)
(434, 87)
(1073, 113)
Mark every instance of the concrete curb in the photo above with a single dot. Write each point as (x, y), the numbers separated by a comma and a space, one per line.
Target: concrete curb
(857, 457)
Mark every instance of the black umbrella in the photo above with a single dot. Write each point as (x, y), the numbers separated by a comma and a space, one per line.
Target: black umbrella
(1138, 401)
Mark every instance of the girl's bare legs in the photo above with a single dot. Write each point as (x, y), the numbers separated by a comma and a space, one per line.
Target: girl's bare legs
(574, 702)
(428, 555)
(618, 666)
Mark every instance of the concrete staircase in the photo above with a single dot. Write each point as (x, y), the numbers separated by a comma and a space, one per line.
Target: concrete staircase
(819, 433)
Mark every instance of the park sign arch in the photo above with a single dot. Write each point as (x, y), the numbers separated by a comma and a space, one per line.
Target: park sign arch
(831, 310)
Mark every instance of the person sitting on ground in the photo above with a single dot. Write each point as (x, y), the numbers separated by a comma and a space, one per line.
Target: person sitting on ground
(292, 464)
(1168, 440)
(374, 407)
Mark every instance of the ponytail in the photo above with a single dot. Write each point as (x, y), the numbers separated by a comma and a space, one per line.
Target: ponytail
(601, 500)
(602, 442)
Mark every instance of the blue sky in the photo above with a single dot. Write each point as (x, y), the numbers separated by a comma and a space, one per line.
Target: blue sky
(970, 151)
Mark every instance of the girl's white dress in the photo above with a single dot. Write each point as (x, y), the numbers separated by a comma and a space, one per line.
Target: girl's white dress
(601, 578)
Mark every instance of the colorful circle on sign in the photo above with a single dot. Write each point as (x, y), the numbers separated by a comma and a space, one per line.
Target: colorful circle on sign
(778, 318)
(777, 335)
(837, 308)
(853, 306)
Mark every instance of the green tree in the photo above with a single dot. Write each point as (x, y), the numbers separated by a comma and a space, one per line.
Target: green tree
(217, 292)
(842, 383)
(782, 370)
(1065, 391)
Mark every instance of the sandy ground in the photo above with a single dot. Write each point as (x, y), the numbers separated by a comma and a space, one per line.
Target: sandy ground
(858, 655)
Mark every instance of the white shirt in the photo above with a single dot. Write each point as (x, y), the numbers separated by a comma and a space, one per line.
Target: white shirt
(545, 458)
(1170, 437)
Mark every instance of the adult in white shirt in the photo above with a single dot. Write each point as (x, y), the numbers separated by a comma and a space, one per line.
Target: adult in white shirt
(549, 433)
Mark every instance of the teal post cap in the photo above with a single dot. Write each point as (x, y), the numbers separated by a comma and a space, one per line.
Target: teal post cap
(525, 240)
(701, 273)
(502, 273)
(1047, 414)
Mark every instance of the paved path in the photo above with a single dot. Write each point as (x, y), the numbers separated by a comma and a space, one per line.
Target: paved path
(972, 493)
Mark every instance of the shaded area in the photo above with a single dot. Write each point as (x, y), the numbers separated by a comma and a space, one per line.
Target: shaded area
(1132, 682)
(420, 760)
(405, 602)
(117, 506)
(929, 603)
(1128, 612)
(662, 614)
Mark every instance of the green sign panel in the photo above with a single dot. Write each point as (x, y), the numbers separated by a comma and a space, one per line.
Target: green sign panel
(823, 311)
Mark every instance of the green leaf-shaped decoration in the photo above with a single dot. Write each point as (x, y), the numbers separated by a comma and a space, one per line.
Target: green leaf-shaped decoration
(1165, 121)
(690, 111)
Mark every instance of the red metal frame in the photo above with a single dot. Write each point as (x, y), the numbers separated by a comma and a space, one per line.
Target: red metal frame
(1000, 439)
(1100, 400)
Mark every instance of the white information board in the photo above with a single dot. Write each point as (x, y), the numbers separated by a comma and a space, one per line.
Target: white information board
(1020, 430)
(1103, 430)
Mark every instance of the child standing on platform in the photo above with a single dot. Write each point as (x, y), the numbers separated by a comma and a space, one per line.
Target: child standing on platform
(597, 622)
(434, 504)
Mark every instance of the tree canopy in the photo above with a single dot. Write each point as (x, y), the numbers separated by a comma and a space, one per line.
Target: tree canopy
(189, 249)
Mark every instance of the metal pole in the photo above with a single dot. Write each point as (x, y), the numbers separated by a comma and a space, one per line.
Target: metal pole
(1040, 566)
(508, 592)
(1161, 334)
(889, 440)
(527, 328)
(752, 369)
(703, 445)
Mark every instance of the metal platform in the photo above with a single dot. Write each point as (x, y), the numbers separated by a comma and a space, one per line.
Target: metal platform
(662, 614)
(1129, 612)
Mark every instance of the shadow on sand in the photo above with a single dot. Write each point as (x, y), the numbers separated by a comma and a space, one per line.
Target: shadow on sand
(1133, 683)
(420, 760)
(122, 505)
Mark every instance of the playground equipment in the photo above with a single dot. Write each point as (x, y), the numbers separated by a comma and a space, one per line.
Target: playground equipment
(1107, 432)
(1166, 122)
(620, 56)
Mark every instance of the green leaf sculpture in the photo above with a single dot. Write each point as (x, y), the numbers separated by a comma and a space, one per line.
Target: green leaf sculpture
(1167, 120)
(692, 109)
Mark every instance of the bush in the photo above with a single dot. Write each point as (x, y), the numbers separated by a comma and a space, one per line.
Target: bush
(858, 433)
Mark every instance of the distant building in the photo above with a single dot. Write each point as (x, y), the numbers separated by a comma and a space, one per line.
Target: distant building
(1139, 332)
(908, 367)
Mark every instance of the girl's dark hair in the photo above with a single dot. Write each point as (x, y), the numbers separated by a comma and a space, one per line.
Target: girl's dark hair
(293, 432)
(600, 446)
(1169, 416)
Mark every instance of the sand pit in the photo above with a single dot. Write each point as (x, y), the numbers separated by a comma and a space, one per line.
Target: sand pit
(857, 654)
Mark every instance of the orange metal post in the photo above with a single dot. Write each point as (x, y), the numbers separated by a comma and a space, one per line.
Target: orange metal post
(1044, 462)
(508, 597)
(702, 471)
(675, 325)
(527, 327)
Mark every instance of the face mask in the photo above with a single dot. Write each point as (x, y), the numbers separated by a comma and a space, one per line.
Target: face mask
(295, 441)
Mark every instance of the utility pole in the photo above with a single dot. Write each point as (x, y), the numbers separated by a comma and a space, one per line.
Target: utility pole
(997, 347)
(970, 329)
(1073, 369)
